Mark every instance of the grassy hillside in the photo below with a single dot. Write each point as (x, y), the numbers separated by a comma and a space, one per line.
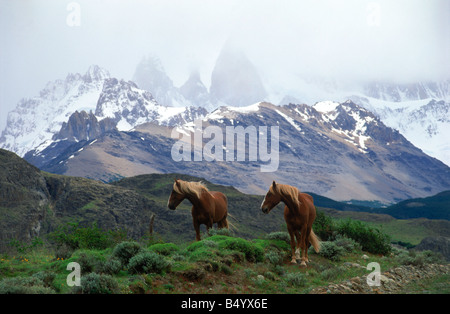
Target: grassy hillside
(250, 222)
(246, 217)
(220, 263)
(253, 257)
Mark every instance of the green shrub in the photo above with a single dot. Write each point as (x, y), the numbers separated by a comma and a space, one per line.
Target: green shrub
(211, 244)
(349, 245)
(214, 232)
(296, 279)
(24, 285)
(274, 258)
(274, 243)
(76, 237)
(331, 273)
(415, 258)
(89, 260)
(25, 247)
(331, 251)
(124, 251)
(198, 251)
(112, 266)
(324, 226)
(195, 246)
(282, 236)
(94, 283)
(270, 275)
(164, 248)
(253, 253)
(148, 262)
(47, 277)
(371, 239)
(218, 246)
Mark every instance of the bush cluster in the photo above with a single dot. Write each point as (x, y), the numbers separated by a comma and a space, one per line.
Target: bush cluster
(371, 239)
(27, 285)
(148, 262)
(124, 251)
(75, 237)
(331, 250)
(365, 237)
(94, 283)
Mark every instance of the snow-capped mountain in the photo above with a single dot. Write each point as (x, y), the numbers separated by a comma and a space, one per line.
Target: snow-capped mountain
(420, 111)
(339, 150)
(408, 92)
(424, 122)
(150, 75)
(102, 127)
(38, 119)
(129, 106)
(38, 122)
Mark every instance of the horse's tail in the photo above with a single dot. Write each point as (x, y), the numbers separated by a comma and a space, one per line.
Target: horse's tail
(315, 241)
(230, 225)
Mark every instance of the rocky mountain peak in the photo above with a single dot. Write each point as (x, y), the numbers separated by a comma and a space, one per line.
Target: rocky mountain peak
(150, 75)
(83, 126)
(96, 73)
(196, 92)
(235, 81)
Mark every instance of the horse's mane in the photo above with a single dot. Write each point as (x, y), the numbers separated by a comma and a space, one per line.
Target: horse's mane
(287, 191)
(190, 188)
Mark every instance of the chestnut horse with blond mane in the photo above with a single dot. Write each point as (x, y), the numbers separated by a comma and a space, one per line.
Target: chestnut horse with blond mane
(299, 214)
(208, 207)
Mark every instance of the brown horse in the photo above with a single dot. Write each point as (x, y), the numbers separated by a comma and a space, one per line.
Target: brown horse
(208, 207)
(299, 214)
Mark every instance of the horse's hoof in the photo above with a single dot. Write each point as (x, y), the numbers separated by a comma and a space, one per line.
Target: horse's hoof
(293, 261)
(303, 264)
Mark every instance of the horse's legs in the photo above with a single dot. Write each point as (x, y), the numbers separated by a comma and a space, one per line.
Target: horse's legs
(292, 235)
(306, 242)
(197, 230)
(303, 239)
(209, 224)
(297, 250)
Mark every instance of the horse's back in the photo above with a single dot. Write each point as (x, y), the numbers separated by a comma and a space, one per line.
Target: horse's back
(219, 196)
(221, 205)
(308, 201)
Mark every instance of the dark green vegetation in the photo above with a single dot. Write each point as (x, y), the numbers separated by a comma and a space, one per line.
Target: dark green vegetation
(433, 207)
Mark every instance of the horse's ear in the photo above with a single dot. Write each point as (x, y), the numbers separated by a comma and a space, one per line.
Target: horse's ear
(177, 181)
(274, 184)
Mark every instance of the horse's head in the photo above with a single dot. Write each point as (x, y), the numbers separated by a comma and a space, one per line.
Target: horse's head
(175, 197)
(272, 199)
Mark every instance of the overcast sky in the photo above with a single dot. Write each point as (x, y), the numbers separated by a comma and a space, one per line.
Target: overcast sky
(397, 40)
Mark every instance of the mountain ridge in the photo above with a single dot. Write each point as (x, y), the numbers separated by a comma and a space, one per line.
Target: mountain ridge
(337, 150)
(34, 203)
(129, 113)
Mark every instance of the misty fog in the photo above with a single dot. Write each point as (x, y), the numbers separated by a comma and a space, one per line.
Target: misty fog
(288, 41)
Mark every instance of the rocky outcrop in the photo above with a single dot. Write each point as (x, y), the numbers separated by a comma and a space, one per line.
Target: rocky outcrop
(84, 126)
(435, 244)
(33, 203)
(391, 282)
